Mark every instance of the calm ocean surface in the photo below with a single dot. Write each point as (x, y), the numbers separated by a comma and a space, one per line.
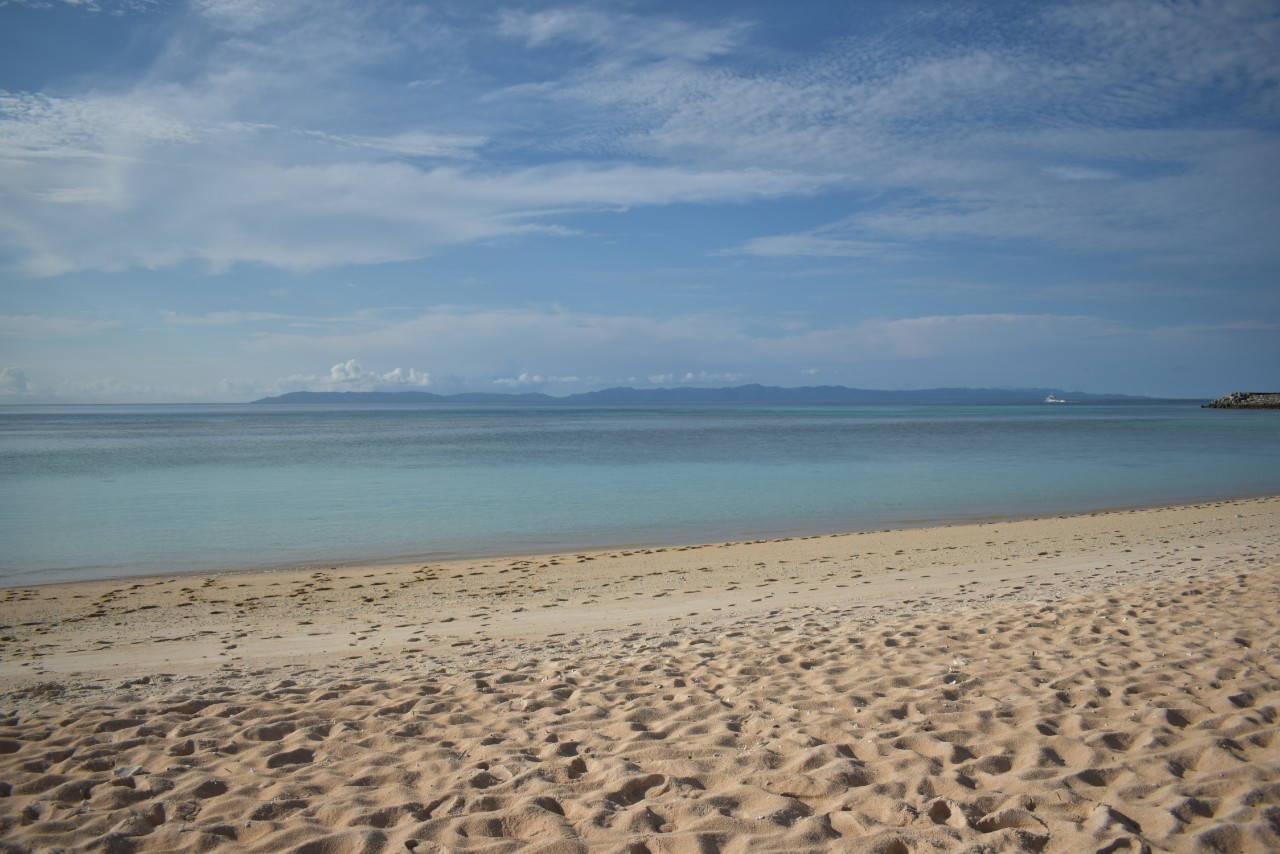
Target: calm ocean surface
(100, 491)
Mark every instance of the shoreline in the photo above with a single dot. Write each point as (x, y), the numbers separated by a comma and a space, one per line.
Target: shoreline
(358, 563)
(204, 622)
(1105, 681)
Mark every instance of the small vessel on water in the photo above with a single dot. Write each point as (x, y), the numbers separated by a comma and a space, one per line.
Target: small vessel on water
(1053, 398)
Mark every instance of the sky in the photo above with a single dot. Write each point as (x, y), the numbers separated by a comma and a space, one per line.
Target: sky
(220, 200)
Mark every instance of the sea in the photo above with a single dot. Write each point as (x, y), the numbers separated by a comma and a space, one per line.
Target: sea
(114, 491)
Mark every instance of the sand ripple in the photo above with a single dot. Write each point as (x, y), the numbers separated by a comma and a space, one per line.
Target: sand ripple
(1139, 719)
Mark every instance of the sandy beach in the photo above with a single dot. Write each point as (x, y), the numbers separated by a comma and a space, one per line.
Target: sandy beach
(1105, 682)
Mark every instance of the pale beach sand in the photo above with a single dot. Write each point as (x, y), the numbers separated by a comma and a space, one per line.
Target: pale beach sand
(1098, 683)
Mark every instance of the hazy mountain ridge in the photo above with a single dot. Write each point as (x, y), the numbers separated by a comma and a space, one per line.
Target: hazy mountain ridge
(736, 394)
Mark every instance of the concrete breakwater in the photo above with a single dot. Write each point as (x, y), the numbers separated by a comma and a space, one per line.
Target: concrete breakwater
(1246, 400)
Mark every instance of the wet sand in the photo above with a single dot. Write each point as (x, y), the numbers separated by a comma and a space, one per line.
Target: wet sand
(1103, 682)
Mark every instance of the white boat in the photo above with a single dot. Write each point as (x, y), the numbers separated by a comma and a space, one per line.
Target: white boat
(1052, 398)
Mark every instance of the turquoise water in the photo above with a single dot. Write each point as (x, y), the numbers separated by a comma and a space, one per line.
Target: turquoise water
(114, 490)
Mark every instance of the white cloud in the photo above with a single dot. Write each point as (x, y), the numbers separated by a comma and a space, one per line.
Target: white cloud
(14, 382)
(695, 378)
(525, 379)
(351, 373)
(399, 376)
(351, 376)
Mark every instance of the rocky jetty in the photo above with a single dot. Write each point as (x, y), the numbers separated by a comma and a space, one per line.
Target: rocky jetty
(1246, 400)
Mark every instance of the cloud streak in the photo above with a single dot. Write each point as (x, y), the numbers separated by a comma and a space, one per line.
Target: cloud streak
(15, 326)
(621, 38)
(953, 142)
(123, 208)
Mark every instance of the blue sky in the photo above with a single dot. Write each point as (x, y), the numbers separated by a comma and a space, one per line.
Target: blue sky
(216, 200)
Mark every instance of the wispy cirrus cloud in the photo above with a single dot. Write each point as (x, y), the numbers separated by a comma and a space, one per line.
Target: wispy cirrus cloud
(35, 126)
(53, 326)
(250, 139)
(312, 216)
(225, 318)
(92, 6)
(990, 136)
(826, 242)
(412, 144)
(1190, 195)
(621, 37)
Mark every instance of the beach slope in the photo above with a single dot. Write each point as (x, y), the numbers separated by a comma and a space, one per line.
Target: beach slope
(1104, 682)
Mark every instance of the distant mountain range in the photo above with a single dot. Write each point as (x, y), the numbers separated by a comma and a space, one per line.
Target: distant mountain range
(737, 394)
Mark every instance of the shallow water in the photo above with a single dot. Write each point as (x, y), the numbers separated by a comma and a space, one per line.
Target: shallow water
(114, 490)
